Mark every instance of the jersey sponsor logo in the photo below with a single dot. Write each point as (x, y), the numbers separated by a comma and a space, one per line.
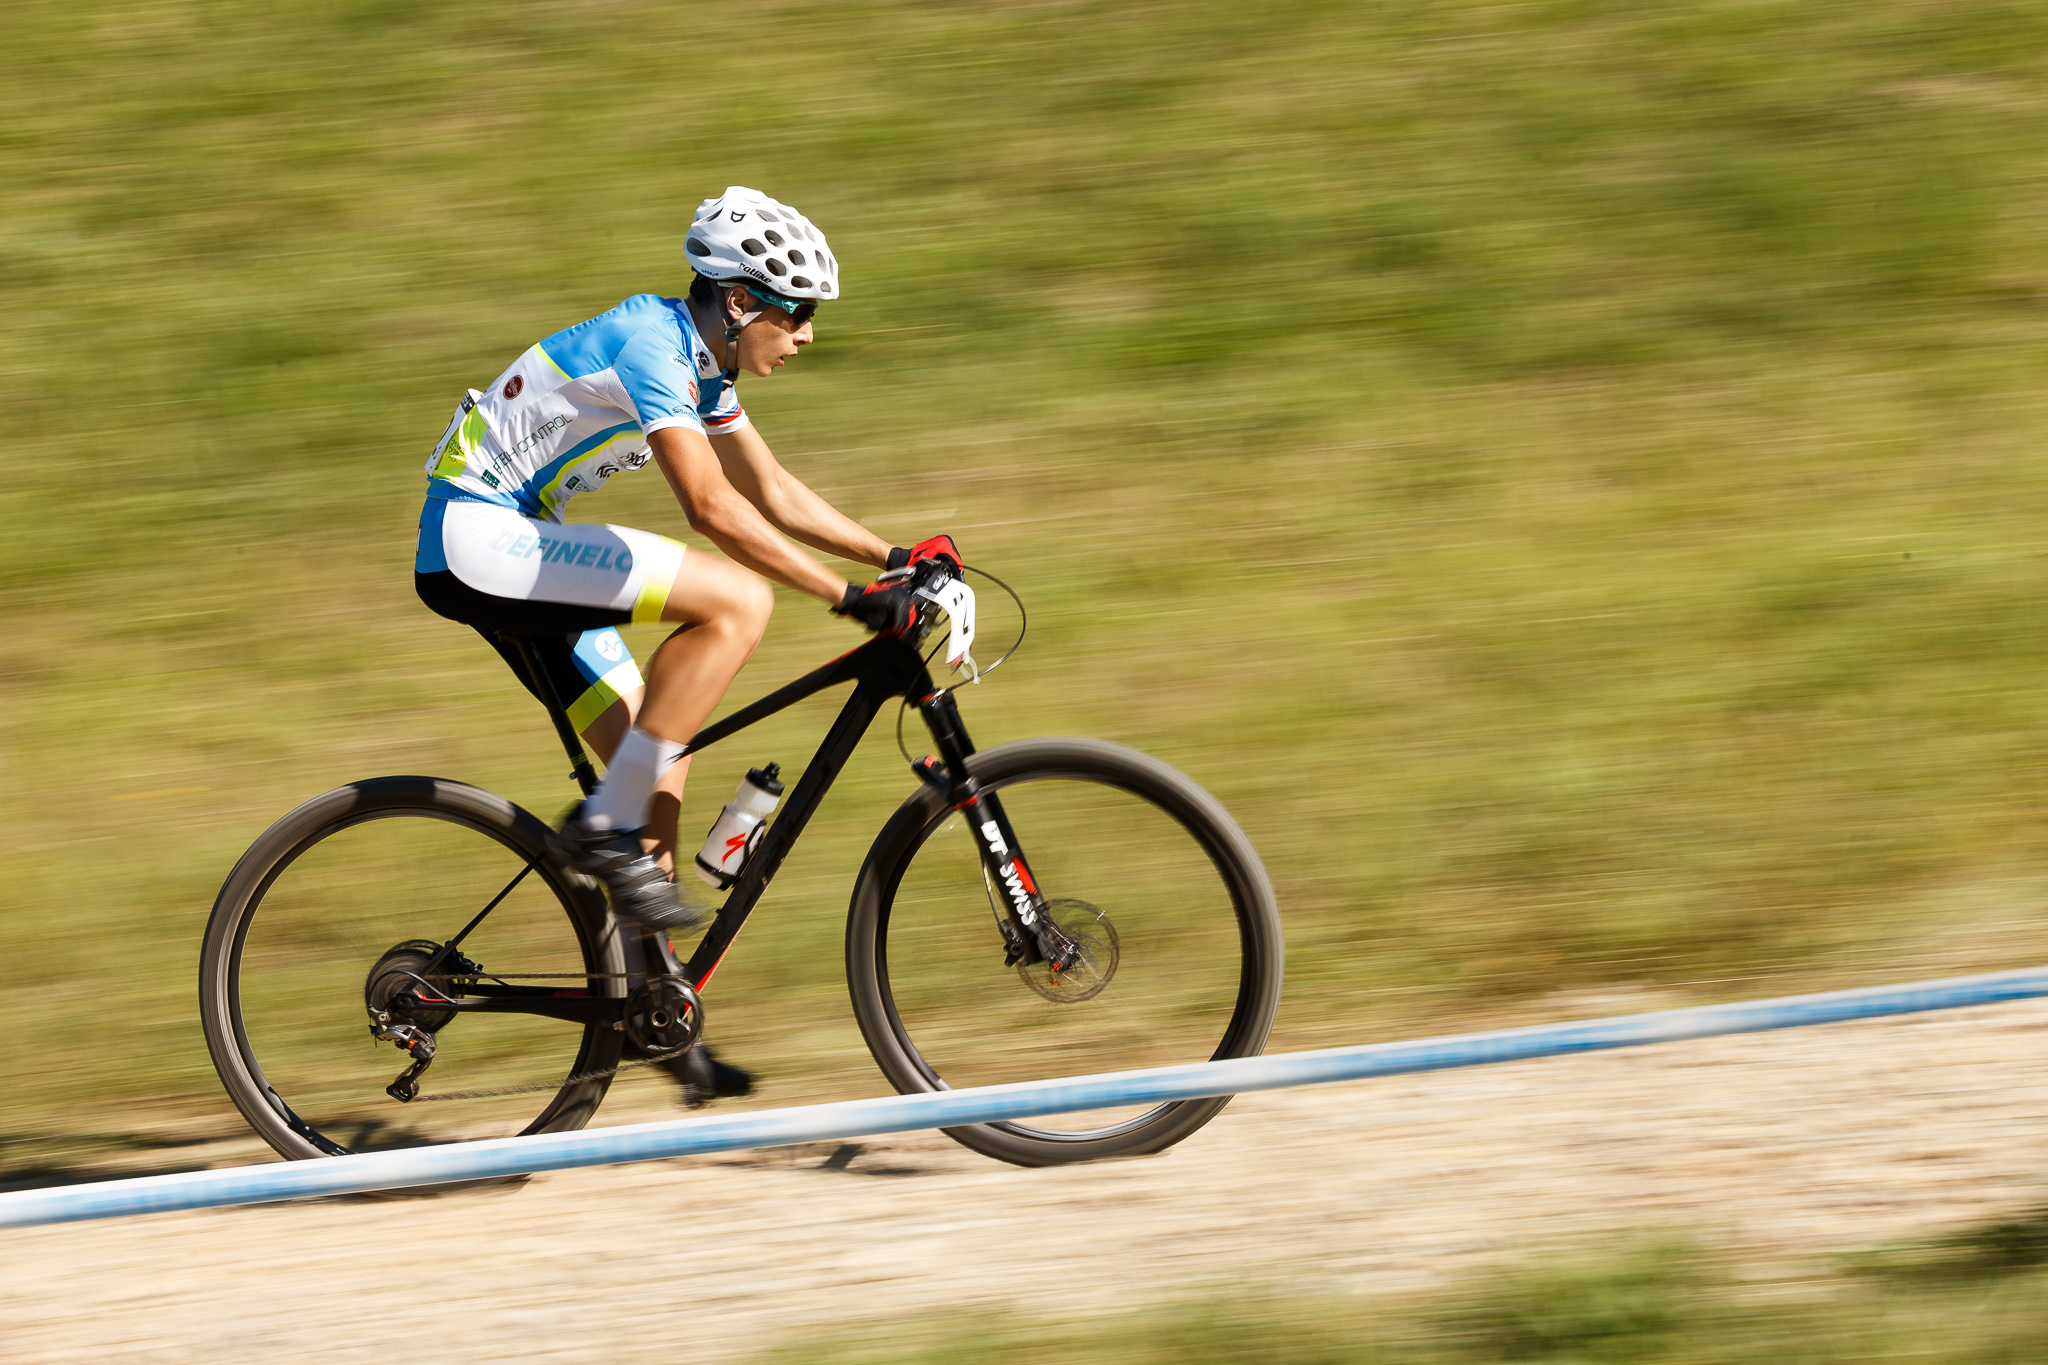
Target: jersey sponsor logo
(693, 391)
(488, 477)
(561, 550)
(633, 459)
(610, 646)
(514, 385)
(539, 434)
(575, 483)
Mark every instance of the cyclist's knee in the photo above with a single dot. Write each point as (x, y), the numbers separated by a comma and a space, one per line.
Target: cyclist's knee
(756, 603)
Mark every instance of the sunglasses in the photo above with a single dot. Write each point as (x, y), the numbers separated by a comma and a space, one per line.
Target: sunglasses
(800, 311)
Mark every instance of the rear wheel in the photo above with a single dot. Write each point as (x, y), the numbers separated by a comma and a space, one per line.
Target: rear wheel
(345, 904)
(1180, 938)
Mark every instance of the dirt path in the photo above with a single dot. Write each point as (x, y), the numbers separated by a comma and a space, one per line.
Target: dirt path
(1784, 1148)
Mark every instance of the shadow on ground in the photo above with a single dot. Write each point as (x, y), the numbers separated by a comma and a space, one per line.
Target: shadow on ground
(2006, 1246)
(80, 1159)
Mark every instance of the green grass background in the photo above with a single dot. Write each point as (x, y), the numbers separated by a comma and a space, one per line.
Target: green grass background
(1566, 473)
(1973, 1298)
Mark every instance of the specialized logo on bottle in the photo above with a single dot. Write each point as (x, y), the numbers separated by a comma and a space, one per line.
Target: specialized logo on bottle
(733, 848)
(1015, 879)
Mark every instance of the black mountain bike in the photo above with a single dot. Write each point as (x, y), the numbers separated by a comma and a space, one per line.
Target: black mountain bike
(1047, 907)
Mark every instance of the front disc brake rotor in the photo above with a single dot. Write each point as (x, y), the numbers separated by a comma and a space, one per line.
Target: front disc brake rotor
(1095, 936)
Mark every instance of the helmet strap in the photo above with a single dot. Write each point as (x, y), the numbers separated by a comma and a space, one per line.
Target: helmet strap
(733, 328)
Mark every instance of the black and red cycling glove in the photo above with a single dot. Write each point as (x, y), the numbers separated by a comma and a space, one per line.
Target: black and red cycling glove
(885, 608)
(938, 547)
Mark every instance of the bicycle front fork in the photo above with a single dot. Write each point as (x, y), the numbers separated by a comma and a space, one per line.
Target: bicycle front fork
(1029, 934)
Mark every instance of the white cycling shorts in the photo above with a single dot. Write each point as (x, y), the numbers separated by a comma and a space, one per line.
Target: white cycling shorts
(495, 550)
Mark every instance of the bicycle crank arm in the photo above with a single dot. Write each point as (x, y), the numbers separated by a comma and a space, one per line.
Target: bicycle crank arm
(609, 1012)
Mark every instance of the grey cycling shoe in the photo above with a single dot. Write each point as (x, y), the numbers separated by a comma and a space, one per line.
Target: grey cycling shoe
(639, 890)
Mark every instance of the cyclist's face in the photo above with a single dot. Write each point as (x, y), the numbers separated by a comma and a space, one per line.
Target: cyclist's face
(766, 343)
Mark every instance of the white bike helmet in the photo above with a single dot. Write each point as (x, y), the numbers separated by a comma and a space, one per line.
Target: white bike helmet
(743, 236)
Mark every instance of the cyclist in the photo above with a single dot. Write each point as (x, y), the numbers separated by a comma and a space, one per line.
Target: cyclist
(653, 378)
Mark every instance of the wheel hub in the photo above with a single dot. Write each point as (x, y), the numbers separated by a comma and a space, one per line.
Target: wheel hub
(1089, 929)
(403, 971)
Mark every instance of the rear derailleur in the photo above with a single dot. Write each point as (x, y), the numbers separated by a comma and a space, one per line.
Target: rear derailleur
(416, 1043)
(400, 1016)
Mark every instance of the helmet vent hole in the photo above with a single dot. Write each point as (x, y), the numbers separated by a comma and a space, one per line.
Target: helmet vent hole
(774, 238)
(777, 268)
(752, 246)
(826, 288)
(796, 257)
(767, 216)
(799, 281)
(695, 246)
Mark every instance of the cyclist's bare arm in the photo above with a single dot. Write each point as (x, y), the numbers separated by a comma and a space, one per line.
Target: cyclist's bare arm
(789, 504)
(728, 518)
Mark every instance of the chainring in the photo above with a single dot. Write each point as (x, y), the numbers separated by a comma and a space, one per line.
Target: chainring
(402, 969)
(1092, 932)
(664, 1017)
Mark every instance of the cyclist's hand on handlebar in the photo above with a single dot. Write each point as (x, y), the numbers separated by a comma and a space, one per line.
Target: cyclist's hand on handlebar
(885, 608)
(938, 547)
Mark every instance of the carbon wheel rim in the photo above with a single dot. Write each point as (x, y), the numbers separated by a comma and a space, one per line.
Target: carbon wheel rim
(343, 896)
(962, 1018)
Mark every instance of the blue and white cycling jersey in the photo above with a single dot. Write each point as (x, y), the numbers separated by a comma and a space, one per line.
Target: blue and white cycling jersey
(577, 409)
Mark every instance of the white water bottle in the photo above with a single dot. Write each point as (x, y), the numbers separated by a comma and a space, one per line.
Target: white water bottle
(738, 827)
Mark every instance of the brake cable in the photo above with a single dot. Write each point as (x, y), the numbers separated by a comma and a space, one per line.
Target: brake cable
(1023, 624)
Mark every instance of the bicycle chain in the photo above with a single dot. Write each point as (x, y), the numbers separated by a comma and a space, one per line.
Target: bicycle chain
(572, 1078)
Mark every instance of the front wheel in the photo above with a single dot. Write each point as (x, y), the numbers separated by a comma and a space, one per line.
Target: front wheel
(1143, 869)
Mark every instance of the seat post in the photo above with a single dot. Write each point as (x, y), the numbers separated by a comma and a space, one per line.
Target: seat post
(544, 687)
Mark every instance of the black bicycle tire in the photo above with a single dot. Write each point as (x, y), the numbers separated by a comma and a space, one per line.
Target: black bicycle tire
(1148, 779)
(571, 1107)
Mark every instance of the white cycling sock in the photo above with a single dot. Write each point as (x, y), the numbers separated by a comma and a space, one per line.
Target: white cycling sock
(622, 799)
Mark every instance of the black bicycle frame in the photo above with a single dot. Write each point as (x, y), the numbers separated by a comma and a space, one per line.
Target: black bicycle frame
(881, 670)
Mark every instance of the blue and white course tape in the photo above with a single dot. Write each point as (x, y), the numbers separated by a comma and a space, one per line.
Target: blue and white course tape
(988, 1104)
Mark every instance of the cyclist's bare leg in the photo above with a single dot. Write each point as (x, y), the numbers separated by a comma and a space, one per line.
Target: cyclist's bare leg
(604, 733)
(722, 609)
(603, 736)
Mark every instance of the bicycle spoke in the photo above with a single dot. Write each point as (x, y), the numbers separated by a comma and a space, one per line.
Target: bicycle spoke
(452, 944)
